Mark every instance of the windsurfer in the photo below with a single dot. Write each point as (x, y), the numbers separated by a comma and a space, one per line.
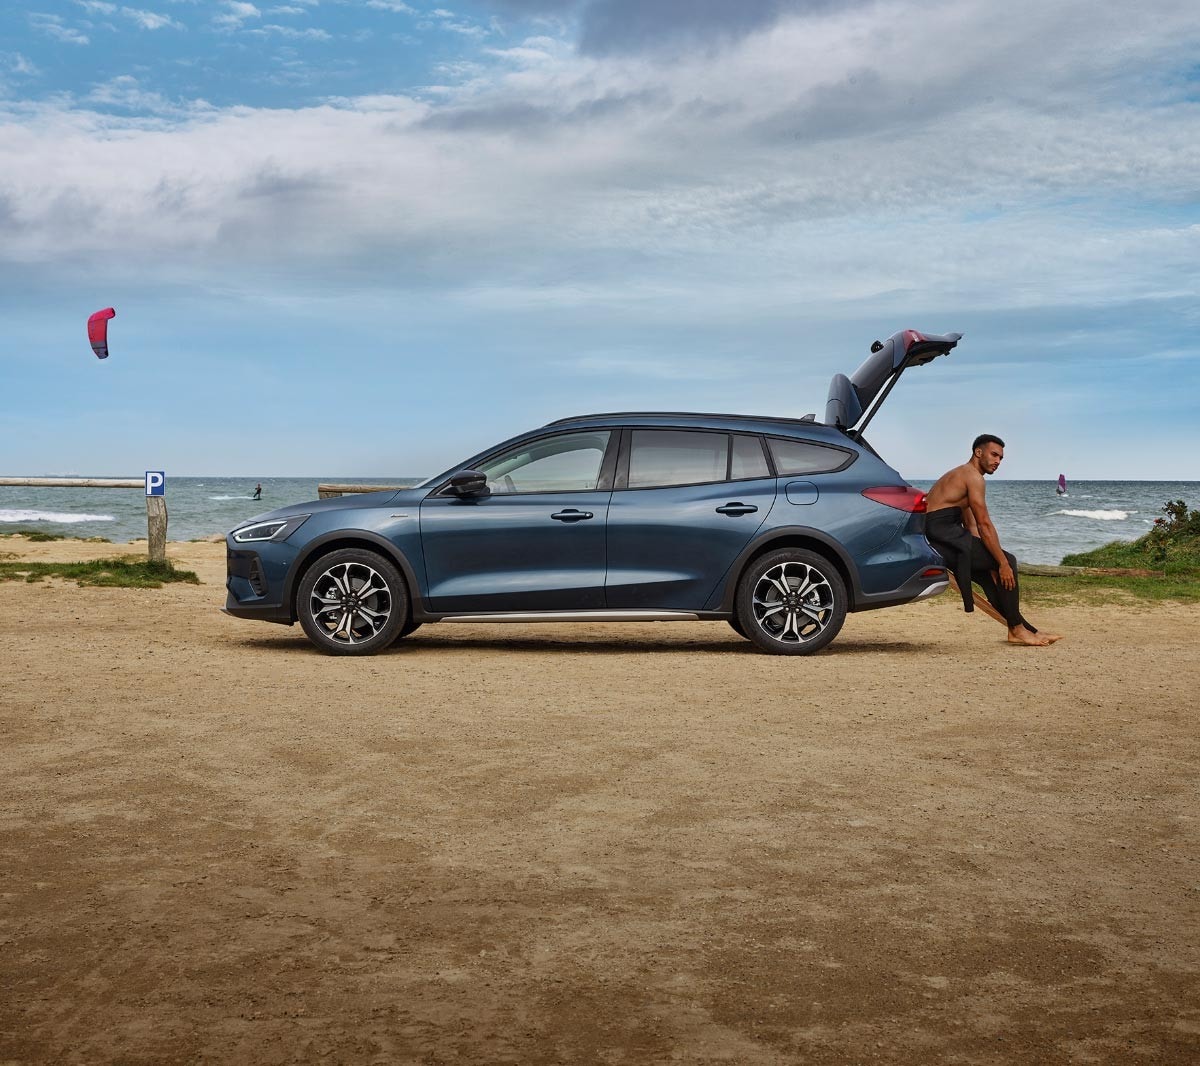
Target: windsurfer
(958, 525)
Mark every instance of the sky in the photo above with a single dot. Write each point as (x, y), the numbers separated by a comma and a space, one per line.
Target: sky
(368, 238)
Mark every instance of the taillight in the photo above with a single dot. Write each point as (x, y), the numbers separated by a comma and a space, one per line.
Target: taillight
(902, 497)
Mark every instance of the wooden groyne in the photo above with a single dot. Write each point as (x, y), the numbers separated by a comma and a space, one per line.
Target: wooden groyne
(156, 506)
(326, 492)
(1042, 570)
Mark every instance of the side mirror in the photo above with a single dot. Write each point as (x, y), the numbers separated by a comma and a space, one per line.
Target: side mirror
(469, 485)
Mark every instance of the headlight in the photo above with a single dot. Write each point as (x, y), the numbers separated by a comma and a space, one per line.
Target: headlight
(276, 529)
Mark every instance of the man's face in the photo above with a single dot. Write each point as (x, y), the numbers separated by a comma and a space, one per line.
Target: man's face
(989, 457)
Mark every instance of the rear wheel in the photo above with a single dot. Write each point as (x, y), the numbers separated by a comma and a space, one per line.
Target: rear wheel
(791, 602)
(352, 602)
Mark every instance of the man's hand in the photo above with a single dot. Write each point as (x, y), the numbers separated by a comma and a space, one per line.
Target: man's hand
(1006, 575)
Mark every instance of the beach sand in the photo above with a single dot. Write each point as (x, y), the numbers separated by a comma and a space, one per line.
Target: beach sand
(592, 844)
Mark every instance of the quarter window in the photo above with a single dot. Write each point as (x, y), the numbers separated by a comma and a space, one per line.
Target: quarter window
(660, 457)
(804, 457)
(569, 462)
(748, 459)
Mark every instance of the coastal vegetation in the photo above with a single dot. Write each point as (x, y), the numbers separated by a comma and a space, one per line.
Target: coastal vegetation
(1171, 548)
(41, 536)
(131, 573)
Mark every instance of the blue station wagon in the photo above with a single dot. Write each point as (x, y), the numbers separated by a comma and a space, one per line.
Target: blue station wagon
(777, 526)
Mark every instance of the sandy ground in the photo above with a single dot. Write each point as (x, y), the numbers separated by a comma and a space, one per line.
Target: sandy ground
(592, 844)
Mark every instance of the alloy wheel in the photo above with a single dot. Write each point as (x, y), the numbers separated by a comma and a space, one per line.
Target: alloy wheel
(793, 603)
(351, 602)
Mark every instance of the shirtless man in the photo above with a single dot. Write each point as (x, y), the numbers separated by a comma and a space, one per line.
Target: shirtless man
(958, 525)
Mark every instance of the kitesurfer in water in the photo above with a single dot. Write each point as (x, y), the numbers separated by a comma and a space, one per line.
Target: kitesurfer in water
(257, 492)
(958, 525)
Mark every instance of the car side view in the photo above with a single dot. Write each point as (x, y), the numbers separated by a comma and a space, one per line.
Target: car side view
(777, 526)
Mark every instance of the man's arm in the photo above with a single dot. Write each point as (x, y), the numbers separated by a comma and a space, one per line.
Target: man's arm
(977, 502)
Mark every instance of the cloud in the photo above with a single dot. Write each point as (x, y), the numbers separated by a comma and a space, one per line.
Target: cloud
(236, 12)
(125, 93)
(819, 163)
(292, 34)
(147, 20)
(392, 5)
(21, 65)
(449, 22)
(54, 26)
(612, 26)
(150, 20)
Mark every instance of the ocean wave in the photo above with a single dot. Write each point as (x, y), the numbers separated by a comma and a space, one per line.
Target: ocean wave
(231, 497)
(64, 517)
(1101, 516)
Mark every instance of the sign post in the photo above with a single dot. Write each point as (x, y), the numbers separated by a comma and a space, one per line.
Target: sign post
(156, 515)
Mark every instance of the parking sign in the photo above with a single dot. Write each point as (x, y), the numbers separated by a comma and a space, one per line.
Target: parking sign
(156, 483)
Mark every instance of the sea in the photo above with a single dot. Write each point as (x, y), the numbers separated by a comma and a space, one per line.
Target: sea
(1034, 523)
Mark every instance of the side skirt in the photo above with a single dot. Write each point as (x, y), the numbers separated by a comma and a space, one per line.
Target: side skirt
(579, 616)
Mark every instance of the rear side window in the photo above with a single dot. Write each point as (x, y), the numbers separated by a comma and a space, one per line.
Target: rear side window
(660, 457)
(748, 459)
(804, 457)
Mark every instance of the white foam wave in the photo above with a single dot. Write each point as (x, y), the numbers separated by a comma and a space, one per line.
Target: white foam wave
(231, 497)
(1101, 516)
(19, 514)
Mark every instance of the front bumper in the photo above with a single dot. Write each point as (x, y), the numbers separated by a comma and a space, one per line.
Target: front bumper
(254, 582)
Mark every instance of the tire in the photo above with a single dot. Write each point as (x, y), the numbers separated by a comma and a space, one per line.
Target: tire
(352, 602)
(791, 602)
(409, 627)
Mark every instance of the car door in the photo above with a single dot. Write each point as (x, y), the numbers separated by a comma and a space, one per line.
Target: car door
(536, 542)
(685, 503)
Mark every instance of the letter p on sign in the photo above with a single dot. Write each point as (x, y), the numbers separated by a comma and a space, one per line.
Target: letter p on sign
(156, 483)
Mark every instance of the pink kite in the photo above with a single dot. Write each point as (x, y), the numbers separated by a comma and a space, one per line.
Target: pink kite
(98, 331)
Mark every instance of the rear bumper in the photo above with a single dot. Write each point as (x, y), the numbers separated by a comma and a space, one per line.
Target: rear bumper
(915, 588)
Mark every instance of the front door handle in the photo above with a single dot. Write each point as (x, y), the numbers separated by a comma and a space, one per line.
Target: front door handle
(572, 515)
(735, 509)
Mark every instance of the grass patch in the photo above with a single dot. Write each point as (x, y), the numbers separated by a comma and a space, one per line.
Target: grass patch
(1099, 590)
(40, 536)
(108, 573)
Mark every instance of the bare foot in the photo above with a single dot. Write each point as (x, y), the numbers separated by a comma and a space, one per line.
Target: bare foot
(1021, 635)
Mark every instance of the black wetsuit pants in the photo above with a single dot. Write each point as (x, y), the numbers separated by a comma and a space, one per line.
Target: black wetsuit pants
(1006, 601)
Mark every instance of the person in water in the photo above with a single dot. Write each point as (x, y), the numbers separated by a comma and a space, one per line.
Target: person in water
(257, 492)
(958, 525)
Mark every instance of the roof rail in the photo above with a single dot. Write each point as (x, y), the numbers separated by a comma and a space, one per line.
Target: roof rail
(807, 419)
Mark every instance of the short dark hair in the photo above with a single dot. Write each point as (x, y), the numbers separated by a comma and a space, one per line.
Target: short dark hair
(985, 438)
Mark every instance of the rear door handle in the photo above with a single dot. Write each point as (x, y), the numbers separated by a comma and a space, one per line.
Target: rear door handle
(735, 509)
(572, 515)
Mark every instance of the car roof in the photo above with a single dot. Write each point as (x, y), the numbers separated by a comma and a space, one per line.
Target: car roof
(701, 420)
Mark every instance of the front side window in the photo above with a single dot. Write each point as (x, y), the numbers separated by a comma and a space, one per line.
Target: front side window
(569, 462)
(662, 457)
(805, 457)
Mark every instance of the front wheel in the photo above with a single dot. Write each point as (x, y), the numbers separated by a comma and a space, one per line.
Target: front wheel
(352, 602)
(792, 602)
